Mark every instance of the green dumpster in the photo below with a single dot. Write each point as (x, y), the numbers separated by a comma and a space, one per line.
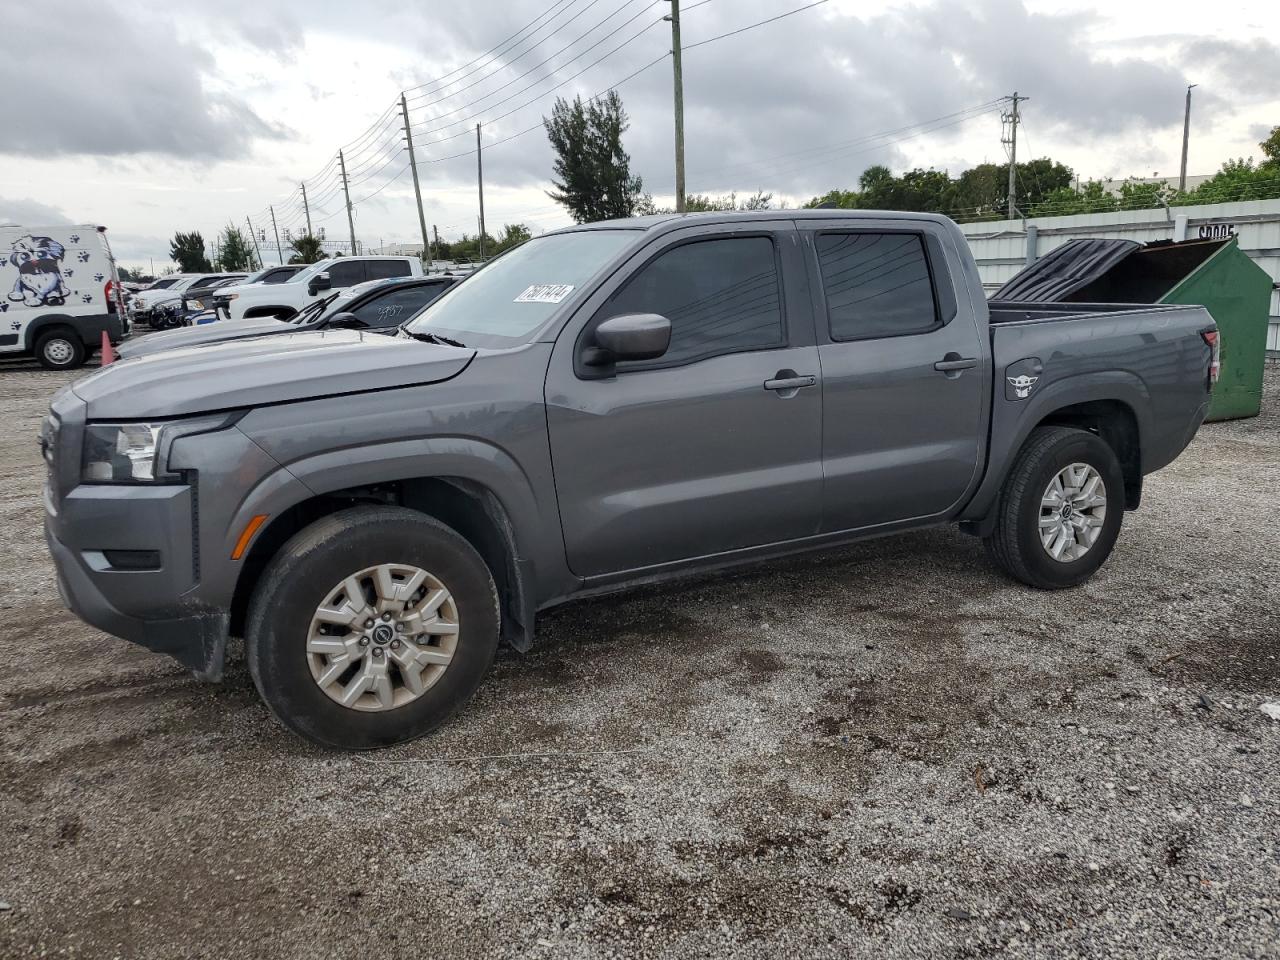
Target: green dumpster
(1215, 274)
(1237, 294)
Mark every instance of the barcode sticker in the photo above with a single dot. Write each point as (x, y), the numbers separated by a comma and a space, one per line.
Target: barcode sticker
(545, 293)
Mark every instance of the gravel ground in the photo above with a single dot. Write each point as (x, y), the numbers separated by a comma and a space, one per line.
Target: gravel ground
(887, 750)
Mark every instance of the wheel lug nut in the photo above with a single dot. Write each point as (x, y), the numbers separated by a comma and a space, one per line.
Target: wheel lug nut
(386, 616)
(364, 641)
(377, 651)
(368, 624)
(395, 644)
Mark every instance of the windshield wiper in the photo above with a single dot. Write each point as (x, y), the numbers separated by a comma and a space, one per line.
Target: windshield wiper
(432, 338)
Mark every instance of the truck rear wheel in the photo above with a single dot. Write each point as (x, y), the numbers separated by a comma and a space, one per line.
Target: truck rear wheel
(370, 627)
(1059, 513)
(59, 349)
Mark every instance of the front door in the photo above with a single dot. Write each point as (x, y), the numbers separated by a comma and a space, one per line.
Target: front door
(715, 446)
(903, 373)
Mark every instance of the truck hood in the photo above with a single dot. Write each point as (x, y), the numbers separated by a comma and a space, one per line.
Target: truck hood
(263, 370)
(217, 332)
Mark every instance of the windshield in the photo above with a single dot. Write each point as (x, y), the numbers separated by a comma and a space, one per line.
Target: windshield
(511, 297)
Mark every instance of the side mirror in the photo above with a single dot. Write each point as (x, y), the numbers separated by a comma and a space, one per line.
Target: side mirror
(630, 336)
(319, 282)
(346, 320)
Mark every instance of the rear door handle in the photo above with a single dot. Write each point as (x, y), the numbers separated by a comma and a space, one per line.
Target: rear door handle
(790, 383)
(953, 362)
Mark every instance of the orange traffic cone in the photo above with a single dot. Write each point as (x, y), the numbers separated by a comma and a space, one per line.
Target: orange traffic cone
(108, 355)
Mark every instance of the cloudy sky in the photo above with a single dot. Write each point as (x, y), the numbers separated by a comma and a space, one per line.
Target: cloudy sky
(150, 118)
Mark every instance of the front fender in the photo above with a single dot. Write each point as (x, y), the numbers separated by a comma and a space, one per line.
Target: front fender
(1013, 420)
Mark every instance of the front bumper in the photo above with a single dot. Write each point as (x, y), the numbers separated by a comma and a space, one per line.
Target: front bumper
(197, 640)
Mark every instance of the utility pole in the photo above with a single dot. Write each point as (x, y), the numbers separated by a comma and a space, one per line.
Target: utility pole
(435, 232)
(678, 79)
(346, 192)
(254, 237)
(279, 252)
(1011, 141)
(305, 208)
(413, 165)
(480, 181)
(1186, 137)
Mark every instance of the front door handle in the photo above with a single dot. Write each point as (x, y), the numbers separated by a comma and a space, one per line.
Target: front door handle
(787, 382)
(955, 363)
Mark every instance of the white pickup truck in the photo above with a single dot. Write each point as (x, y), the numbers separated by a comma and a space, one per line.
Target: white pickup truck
(283, 300)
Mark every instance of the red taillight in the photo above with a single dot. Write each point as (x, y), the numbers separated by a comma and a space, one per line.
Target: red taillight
(107, 292)
(1210, 337)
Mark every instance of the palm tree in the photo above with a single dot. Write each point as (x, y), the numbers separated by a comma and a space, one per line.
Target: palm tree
(306, 249)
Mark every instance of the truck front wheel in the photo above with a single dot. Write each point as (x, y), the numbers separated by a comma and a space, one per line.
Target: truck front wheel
(370, 627)
(1060, 510)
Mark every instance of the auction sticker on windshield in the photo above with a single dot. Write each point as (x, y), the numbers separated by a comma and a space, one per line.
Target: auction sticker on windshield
(544, 293)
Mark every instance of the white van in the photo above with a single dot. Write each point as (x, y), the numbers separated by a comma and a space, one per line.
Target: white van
(58, 293)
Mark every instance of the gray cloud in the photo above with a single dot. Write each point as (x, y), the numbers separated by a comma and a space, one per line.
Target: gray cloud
(28, 212)
(108, 84)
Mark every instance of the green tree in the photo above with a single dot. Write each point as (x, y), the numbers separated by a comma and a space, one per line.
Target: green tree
(306, 249)
(187, 250)
(513, 234)
(593, 178)
(236, 250)
(1271, 148)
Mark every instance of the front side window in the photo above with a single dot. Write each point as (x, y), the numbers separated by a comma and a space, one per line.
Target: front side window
(381, 269)
(345, 273)
(876, 284)
(721, 296)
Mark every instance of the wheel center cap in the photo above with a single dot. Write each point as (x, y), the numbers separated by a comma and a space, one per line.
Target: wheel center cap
(383, 634)
(1067, 511)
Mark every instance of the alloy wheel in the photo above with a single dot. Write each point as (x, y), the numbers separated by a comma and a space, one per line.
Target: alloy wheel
(1073, 510)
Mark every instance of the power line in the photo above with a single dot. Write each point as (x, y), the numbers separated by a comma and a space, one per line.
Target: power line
(752, 26)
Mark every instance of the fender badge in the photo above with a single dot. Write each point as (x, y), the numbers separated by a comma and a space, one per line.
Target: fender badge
(1022, 385)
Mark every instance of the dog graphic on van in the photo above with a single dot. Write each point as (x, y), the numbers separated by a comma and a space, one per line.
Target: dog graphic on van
(39, 282)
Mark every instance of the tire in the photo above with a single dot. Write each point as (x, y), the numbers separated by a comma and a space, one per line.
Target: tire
(281, 627)
(1016, 544)
(60, 349)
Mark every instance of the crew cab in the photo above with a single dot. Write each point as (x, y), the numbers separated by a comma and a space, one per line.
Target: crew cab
(379, 306)
(604, 405)
(282, 300)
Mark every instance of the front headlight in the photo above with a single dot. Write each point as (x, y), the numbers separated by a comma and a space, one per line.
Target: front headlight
(139, 452)
(195, 304)
(123, 453)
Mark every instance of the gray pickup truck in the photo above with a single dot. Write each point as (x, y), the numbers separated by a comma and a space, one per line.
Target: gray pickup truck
(602, 406)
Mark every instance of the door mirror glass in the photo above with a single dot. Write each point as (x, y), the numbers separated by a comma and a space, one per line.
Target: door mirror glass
(319, 282)
(346, 320)
(631, 336)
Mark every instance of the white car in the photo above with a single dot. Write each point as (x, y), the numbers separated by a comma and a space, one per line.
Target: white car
(282, 300)
(59, 293)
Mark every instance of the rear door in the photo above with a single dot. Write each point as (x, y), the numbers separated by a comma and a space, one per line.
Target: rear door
(904, 373)
(702, 451)
(345, 273)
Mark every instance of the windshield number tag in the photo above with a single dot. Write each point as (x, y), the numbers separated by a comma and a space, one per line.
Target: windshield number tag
(545, 293)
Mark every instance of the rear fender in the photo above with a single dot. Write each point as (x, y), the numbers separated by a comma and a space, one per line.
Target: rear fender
(1013, 421)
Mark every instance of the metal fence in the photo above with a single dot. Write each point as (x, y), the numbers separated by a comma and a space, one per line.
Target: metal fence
(1004, 247)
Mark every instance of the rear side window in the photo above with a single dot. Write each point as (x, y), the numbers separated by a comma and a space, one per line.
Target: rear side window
(721, 296)
(382, 269)
(396, 306)
(346, 273)
(278, 276)
(876, 284)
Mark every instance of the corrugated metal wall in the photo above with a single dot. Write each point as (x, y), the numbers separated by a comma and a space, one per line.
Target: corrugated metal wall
(1001, 247)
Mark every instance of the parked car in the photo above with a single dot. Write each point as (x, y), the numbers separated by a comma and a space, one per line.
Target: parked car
(604, 405)
(151, 307)
(195, 299)
(282, 300)
(378, 306)
(277, 274)
(59, 292)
